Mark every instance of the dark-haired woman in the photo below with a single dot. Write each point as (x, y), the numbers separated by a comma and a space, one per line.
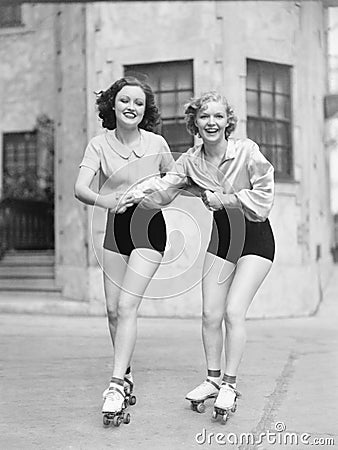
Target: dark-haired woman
(135, 238)
(236, 183)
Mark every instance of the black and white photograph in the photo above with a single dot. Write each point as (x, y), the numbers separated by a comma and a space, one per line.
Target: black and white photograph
(168, 224)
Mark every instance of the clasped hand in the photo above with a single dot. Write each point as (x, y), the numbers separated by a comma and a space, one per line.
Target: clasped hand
(211, 200)
(127, 200)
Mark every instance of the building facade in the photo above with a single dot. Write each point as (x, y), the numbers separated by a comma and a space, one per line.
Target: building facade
(268, 58)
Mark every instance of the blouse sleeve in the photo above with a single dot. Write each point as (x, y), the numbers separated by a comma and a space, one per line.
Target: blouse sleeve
(160, 192)
(91, 157)
(258, 200)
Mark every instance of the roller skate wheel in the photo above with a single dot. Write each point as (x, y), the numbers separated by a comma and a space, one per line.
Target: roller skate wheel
(200, 407)
(117, 421)
(214, 414)
(106, 421)
(233, 409)
(225, 418)
(132, 400)
(193, 406)
(126, 418)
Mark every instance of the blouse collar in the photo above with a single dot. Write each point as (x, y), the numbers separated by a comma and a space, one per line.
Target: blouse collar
(123, 150)
(229, 154)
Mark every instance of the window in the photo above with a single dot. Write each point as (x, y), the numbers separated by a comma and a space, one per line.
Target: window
(19, 163)
(268, 97)
(172, 83)
(10, 16)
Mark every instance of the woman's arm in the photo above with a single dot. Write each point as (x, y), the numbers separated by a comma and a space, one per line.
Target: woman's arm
(85, 194)
(256, 201)
(160, 192)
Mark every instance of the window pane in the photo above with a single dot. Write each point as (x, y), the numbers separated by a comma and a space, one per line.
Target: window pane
(282, 84)
(252, 75)
(266, 105)
(266, 77)
(282, 107)
(254, 130)
(176, 133)
(184, 78)
(10, 16)
(267, 151)
(278, 159)
(183, 98)
(167, 82)
(167, 105)
(268, 132)
(282, 133)
(252, 103)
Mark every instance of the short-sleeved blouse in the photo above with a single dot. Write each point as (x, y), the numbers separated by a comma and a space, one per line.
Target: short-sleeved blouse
(119, 166)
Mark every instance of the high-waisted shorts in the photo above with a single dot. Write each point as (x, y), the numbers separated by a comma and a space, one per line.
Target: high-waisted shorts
(233, 236)
(135, 228)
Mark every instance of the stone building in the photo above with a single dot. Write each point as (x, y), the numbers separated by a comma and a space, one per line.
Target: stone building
(331, 110)
(270, 60)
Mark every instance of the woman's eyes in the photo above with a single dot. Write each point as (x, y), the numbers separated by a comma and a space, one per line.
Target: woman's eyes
(126, 100)
(218, 116)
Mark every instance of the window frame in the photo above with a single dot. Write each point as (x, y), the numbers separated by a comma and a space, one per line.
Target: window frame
(176, 119)
(287, 175)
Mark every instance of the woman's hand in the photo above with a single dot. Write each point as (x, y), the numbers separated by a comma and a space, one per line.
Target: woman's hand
(212, 200)
(129, 199)
(124, 202)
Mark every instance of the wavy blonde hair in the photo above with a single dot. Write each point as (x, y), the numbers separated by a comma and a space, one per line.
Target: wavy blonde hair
(195, 104)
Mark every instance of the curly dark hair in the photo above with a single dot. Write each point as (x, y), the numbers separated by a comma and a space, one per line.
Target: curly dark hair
(195, 104)
(105, 102)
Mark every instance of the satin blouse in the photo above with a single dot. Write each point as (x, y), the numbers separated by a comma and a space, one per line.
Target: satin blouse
(244, 175)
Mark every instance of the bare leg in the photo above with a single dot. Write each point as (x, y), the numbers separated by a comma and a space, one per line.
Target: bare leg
(217, 276)
(142, 265)
(249, 275)
(114, 269)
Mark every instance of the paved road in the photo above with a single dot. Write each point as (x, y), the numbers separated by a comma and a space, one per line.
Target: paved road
(55, 368)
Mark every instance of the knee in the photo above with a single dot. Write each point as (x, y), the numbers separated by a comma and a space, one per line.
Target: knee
(233, 317)
(212, 319)
(127, 308)
(112, 316)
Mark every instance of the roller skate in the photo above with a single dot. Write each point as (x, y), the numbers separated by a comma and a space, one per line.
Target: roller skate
(128, 389)
(197, 397)
(114, 406)
(226, 401)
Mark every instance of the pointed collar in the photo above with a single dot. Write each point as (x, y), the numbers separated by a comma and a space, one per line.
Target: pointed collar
(229, 154)
(123, 150)
(231, 150)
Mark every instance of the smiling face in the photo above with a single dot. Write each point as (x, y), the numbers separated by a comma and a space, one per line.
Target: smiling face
(211, 121)
(130, 104)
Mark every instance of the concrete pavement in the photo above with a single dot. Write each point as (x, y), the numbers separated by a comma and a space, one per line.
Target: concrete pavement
(54, 370)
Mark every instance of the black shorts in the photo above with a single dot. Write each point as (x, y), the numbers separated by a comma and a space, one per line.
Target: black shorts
(135, 228)
(233, 236)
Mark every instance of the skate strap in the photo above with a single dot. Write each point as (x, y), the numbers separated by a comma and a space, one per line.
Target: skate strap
(113, 388)
(213, 383)
(131, 384)
(230, 386)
